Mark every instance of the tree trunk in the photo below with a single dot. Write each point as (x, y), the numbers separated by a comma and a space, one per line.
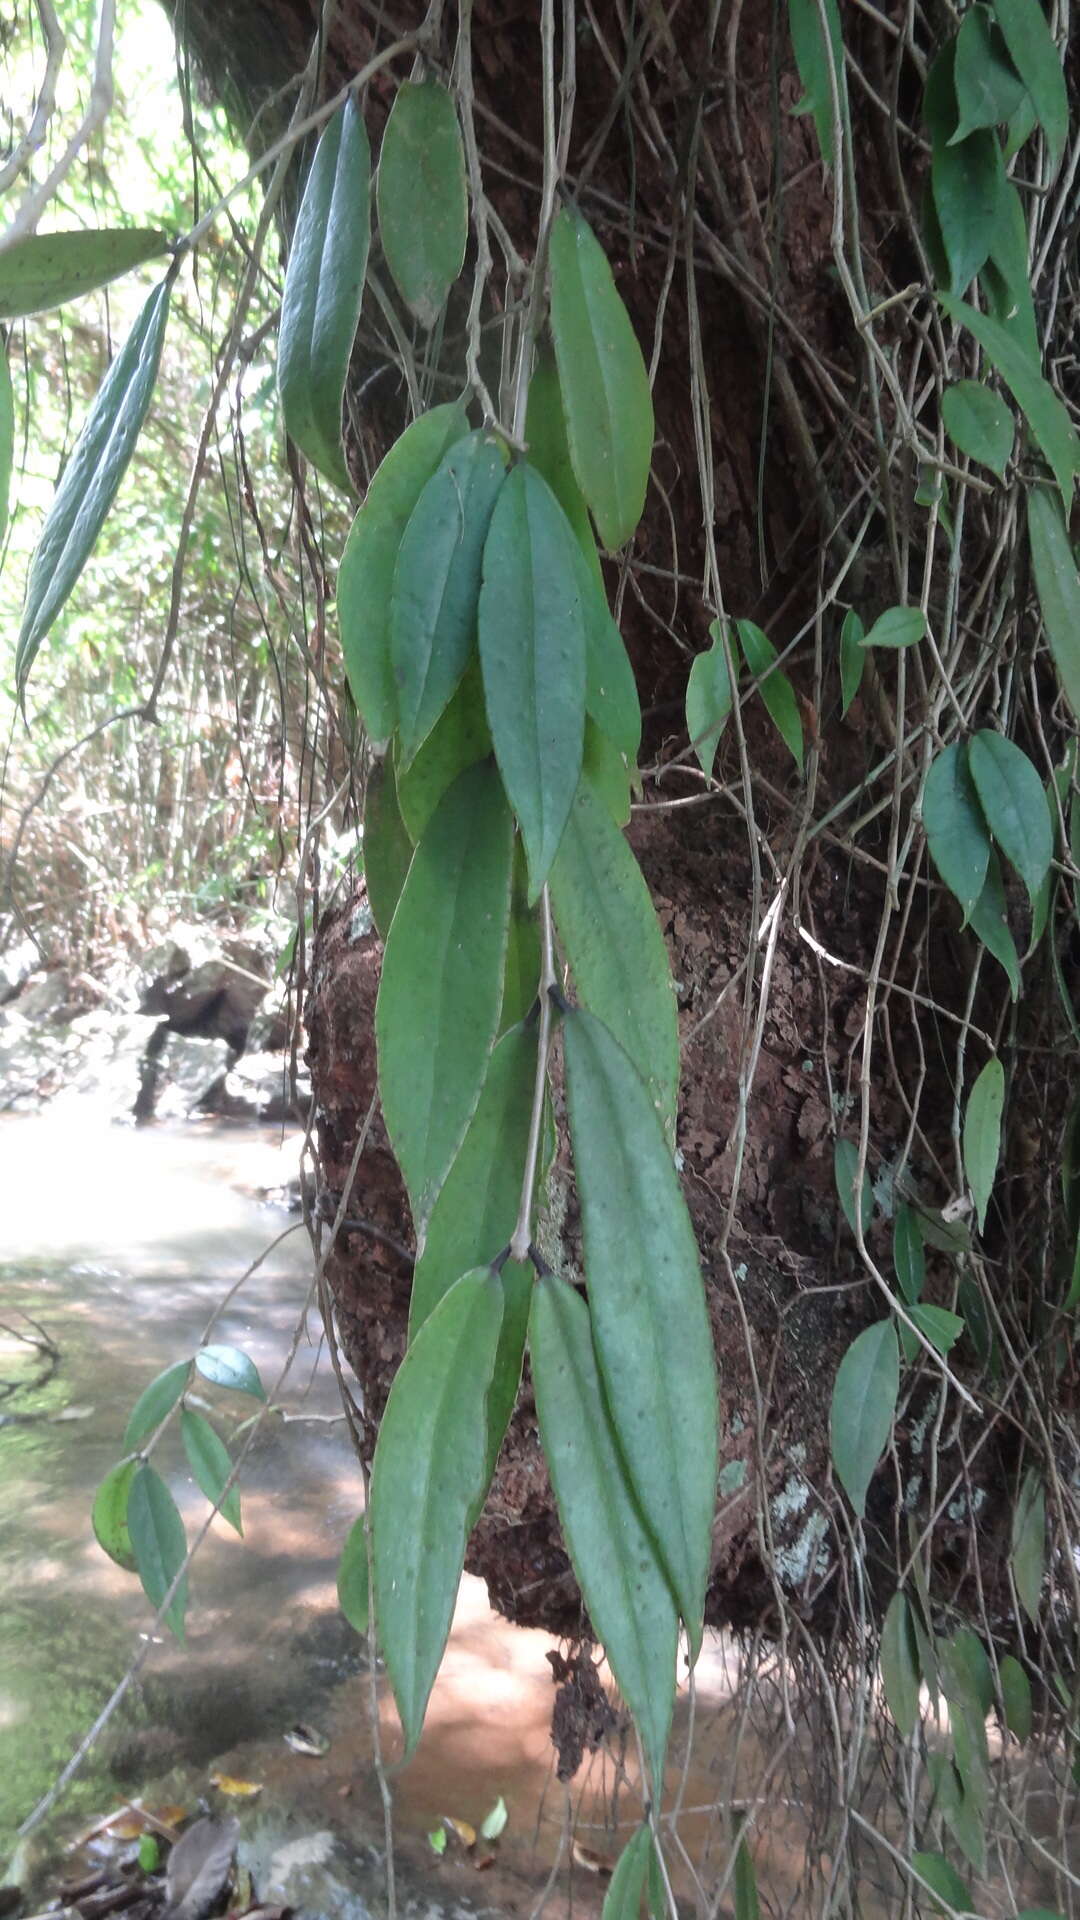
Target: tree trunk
(810, 1000)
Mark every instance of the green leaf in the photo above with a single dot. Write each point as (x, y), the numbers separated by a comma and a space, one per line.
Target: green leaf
(1057, 583)
(494, 1823)
(1020, 128)
(941, 1328)
(965, 181)
(46, 269)
(863, 1403)
(441, 988)
(1044, 412)
(846, 1170)
(7, 437)
(775, 689)
(604, 771)
(982, 1135)
(961, 1810)
(896, 627)
(852, 658)
(1027, 1556)
(154, 1402)
(980, 423)
(521, 977)
(988, 88)
(532, 652)
(708, 701)
(653, 1337)
(109, 1516)
(1006, 277)
(437, 585)
(622, 1900)
(549, 453)
(611, 698)
(388, 849)
(900, 1665)
(516, 1278)
(944, 1881)
(149, 1853)
(474, 1216)
(423, 201)
(611, 937)
(604, 382)
(91, 478)
(909, 1255)
(819, 63)
(1014, 805)
(437, 1840)
(955, 828)
(427, 1480)
(208, 1458)
(747, 1904)
(988, 920)
(352, 1578)
(1036, 59)
(228, 1367)
(324, 286)
(1016, 1698)
(459, 738)
(366, 574)
(159, 1543)
(622, 1582)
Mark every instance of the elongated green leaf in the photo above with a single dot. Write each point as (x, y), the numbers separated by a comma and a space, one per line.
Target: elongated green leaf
(549, 453)
(1016, 1698)
(387, 846)
(979, 422)
(1027, 1556)
(532, 652)
(473, 1218)
(900, 1665)
(7, 437)
(965, 182)
(228, 1367)
(620, 1575)
(1058, 585)
(603, 379)
(1045, 415)
(423, 201)
(516, 1278)
(775, 689)
(109, 1515)
(956, 832)
(159, 1543)
(441, 987)
(426, 1481)
(208, 1458)
(324, 286)
(962, 1812)
(982, 1135)
(941, 1328)
(91, 479)
(988, 88)
(821, 64)
(611, 698)
(863, 1403)
(622, 1900)
(459, 738)
(1036, 59)
(46, 269)
(366, 575)
(852, 658)
(896, 627)
(968, 1686)
(988, 919)
(653, 1337)
(1014, 805)
(437, 585)
(352, 1578)
(1006, 277)
(708, 701)
(604, 771)
(944, 1881)
(846, 1171)
(154, 1402)
(611, 936)
(909, 1254)
(747, 1904)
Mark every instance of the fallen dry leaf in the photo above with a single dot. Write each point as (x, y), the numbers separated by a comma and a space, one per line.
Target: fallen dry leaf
(235, 1789)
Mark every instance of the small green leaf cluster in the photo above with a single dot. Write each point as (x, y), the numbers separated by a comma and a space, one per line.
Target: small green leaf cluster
(135, 1518)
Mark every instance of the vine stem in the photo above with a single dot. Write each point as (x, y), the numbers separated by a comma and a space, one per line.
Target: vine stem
(519, 1244)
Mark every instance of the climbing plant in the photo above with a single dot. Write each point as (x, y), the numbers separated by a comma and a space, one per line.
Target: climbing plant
(525, 982)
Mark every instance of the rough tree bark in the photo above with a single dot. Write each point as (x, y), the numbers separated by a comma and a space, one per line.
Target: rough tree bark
(710, 200)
